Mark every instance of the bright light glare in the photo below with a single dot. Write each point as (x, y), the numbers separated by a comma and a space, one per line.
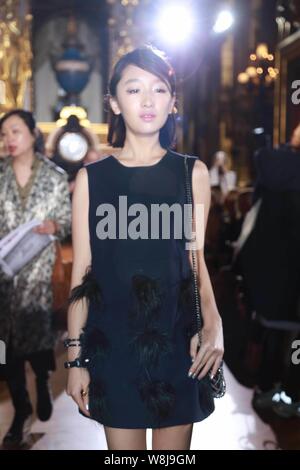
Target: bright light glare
(224, 21)
(258, 130)
(175, 23)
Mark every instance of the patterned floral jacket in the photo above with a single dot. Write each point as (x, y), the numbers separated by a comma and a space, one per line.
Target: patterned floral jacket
(26, 301)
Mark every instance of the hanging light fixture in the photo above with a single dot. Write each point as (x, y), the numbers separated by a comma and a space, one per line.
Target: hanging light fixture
(261, 67)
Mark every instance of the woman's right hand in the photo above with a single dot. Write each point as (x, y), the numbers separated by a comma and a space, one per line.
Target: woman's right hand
(77, 387)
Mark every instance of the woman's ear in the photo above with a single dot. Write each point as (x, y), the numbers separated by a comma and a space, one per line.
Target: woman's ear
(114, 105)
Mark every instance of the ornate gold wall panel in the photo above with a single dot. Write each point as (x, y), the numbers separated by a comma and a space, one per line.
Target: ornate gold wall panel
(15, 55)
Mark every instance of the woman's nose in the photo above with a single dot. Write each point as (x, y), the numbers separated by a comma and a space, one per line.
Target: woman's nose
(147, 100)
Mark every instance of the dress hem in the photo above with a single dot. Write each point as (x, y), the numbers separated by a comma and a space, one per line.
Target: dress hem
(177, 423)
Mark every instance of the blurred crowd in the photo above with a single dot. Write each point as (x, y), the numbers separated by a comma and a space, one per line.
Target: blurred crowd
(253, 239)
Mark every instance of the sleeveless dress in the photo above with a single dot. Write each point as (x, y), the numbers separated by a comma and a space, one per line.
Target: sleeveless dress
(136, 339)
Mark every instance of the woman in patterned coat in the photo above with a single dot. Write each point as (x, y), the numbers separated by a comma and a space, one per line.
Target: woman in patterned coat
(31, 187)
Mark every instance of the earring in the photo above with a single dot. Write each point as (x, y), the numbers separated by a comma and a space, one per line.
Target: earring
(175, 110)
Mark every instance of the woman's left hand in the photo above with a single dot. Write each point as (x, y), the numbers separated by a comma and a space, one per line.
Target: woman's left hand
(210, 354)
(48, 227)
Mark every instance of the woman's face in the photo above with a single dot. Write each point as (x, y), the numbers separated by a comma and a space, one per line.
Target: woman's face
(144, 100)
(220, 159)
(295, 140)
(16, 136)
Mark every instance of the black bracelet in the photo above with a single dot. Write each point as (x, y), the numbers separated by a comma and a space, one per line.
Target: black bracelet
(76, 363)
(72, 342)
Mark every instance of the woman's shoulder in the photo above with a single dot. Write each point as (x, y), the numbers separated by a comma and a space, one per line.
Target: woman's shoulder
(193, 161)
(50, 168)
(91, 171)
(181, 156)
(101, 163)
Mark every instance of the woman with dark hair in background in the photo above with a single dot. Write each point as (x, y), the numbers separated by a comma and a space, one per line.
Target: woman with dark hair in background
(31, 187)
(133, 358)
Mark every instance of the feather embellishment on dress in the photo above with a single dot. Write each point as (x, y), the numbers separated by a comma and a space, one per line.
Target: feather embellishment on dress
(148, 298)
(89, 288)
(159, 397)
(94, 343)
(97, 401)
(150, 344)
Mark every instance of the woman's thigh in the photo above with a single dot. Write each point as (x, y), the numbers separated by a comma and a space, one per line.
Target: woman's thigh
(172, 438)
(125, 439)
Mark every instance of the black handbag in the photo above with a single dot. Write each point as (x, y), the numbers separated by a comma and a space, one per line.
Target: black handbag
(218, 384)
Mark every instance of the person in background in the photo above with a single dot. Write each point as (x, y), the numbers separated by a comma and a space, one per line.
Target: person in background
(270, 266)
(278, 168)
(220, 176)
(31, 187)
(294, 143)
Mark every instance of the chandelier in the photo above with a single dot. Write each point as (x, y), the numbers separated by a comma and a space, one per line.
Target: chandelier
(261, 68)
(122, 24)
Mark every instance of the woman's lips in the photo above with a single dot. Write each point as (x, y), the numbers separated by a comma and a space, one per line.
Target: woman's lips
(148, 117)
(12, 148)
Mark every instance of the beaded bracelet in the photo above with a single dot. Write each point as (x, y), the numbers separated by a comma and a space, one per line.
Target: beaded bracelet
(76, 363)
(69, 342)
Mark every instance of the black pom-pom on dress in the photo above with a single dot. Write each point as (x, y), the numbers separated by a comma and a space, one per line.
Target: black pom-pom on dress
(140, 311)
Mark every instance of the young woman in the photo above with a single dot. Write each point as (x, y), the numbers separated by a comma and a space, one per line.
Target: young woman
(133, 359)
(31, 187)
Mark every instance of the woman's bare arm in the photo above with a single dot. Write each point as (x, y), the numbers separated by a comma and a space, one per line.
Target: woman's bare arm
(212, 348)
(78, 378)
(77, 313)
(202, 195)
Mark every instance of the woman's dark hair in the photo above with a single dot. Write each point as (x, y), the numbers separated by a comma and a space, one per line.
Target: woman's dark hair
(26, 116)
(154, 61)
(29, 121)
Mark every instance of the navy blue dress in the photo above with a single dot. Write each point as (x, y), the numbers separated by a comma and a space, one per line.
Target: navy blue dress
(140, 320)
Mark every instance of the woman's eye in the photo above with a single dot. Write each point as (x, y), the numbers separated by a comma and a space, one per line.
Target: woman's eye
(161, 90)
(132, 91)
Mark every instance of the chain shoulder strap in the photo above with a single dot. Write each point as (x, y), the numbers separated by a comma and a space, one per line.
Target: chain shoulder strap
(194, 255)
